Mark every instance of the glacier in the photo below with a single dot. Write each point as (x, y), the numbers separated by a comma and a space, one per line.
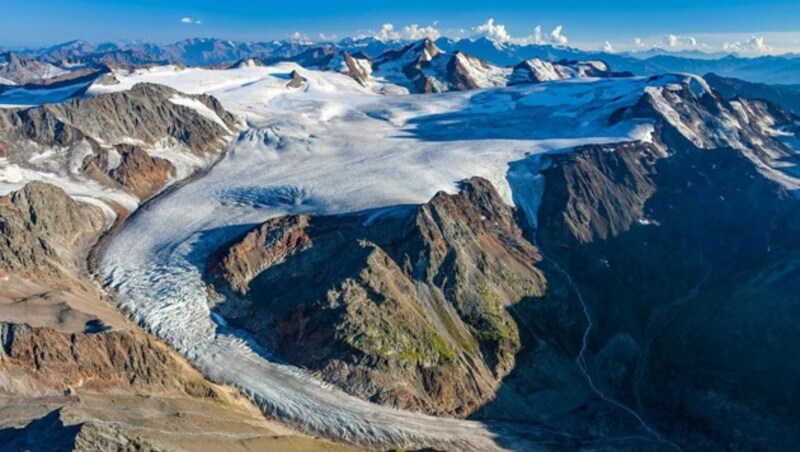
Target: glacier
(332, 147)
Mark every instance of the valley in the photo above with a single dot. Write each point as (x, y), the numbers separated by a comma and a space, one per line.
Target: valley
(418, 250)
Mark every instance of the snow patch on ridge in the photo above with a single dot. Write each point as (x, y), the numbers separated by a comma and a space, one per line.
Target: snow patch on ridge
(200, 108)
(13, 177)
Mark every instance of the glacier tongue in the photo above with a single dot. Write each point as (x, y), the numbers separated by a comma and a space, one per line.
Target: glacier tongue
(335, 147)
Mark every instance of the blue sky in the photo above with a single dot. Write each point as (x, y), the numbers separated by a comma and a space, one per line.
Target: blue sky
(589, 24)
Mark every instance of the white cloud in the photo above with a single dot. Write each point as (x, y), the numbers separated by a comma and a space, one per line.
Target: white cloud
(556, 36)
(607, 47)
(638, 42)
(189, 20)
(756, 44)
(387, 33)
(537, 35)
(672, 40)
(490, 30)
(499, 33)
(677, 42)
(412, 32)
(415, 32)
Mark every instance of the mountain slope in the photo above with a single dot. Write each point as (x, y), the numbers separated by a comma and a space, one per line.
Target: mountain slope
(787, 97)
(641, 238)
(576, 319)
(119, 148)
(406, 308)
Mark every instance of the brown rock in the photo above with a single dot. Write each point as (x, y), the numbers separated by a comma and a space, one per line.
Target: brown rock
(407, 308)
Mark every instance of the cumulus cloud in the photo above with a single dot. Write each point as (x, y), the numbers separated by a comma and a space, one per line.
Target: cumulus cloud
(493, 31)
(639, 42)
(189, 20)
(677, 42)
(412, 32)
(756, 44)
(557, 37)
(498, 32)
(387, 33)
(607, 47)
(300, 37)
(415, 32)
(537, 35)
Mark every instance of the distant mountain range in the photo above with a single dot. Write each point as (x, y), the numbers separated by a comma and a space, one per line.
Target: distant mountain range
(783, 69)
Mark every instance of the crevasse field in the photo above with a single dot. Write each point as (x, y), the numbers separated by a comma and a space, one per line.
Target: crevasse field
(333, 146)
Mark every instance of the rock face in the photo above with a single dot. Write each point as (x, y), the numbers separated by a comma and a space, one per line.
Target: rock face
(406, 66)
(248, 62)
(537, 70)
(787, 97)
(407, 307)
(44, 235)
(136, 171)
(22, 70)
(147, 114)
(42, 230)
(464, 72)
(135, 142)
(683, 251)
(358, 66)
(424, 68)
(42, 360)
(296, 80)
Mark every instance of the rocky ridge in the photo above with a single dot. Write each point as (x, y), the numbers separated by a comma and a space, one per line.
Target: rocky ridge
(407, 308)
(133, 142)
(641, 236)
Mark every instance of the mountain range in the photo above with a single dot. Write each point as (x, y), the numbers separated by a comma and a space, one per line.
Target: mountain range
(437, 244)
(212, 52)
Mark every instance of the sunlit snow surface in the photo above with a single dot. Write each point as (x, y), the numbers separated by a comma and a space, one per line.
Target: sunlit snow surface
(333, 147)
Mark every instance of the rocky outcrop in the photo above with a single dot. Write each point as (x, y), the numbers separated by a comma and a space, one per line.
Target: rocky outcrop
(135, 171)
(128, 144)
(464, 72)
(42, 361)
(248, 62)
(537, 70)
(406, 66)
(407, 308)
(43, 231)
(146, 114)
(296, 80)
(357, 66)
(21, 70)
(52, 432)
(601, 191)
(424, 68)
